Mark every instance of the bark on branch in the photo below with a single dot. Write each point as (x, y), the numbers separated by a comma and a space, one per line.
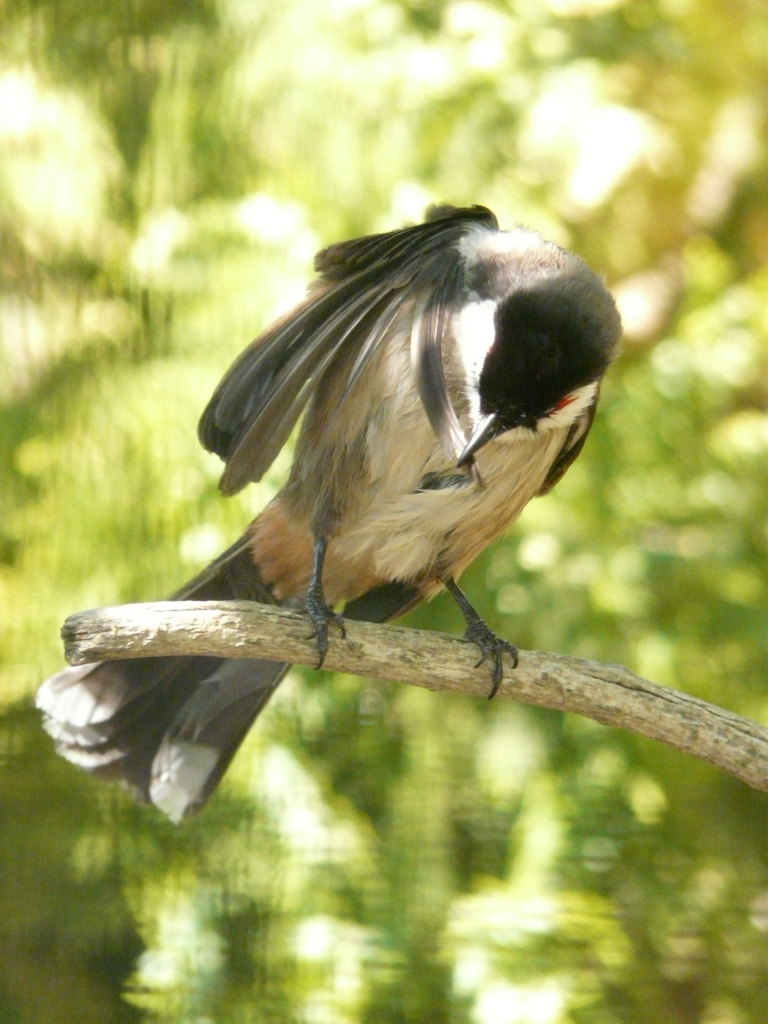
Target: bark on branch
(606, 693)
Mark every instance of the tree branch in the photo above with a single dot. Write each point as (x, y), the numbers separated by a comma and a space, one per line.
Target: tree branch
(608, 694)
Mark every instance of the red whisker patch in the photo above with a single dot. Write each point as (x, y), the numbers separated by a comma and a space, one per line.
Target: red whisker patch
(563, 402)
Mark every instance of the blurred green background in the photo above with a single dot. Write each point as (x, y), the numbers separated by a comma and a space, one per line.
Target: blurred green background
(378, 854)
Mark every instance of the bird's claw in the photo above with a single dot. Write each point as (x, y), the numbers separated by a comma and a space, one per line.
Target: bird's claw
(491, 645)
(322, 616)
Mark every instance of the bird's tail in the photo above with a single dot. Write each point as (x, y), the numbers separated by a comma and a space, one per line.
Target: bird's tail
(169, 727)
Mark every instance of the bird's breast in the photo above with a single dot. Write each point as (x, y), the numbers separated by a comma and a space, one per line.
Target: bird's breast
(438, 528)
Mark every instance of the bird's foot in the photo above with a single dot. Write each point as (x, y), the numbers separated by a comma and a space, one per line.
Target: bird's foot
(322, 615)
(490, 646)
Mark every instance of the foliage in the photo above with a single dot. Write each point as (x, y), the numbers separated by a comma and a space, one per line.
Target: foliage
(379, 854)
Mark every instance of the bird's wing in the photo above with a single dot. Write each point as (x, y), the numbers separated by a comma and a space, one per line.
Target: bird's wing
(574, 442)
(364, 284)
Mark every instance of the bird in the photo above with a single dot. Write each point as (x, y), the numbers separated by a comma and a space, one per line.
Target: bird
(447, 372)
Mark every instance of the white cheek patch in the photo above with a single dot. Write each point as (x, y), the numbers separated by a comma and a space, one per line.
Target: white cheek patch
(580, 400)
(475, 334)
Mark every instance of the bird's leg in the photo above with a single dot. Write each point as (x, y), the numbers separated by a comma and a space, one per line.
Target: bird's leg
(317, 607)
(482, 635)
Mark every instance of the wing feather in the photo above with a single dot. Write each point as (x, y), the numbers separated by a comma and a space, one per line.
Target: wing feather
(364, 285)
(269, 427)
(429, 323)
(342, 258)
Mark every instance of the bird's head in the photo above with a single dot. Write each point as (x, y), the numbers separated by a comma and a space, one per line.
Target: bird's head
(554, 334)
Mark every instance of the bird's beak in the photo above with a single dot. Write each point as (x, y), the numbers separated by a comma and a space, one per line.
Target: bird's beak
(485, 431)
